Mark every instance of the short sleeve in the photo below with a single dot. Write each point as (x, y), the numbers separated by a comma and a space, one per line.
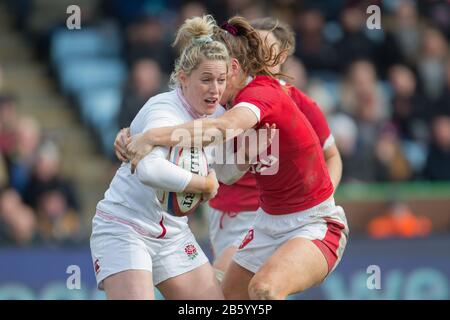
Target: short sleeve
(314, 115)
(260, 100)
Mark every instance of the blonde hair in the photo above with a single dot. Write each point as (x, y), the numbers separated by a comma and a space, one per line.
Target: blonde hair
(194, 38)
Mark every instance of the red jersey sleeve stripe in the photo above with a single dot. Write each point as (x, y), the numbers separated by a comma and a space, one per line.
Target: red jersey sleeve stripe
(252, 107)
(328, 142)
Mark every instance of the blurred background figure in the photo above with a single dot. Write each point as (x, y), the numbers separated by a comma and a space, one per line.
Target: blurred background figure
(295, 69)
(53, 198)
(64, 94)
(146, 80)
(399, 221)
(28, 138)
(146, 39)
(437, 166)
(18, 225)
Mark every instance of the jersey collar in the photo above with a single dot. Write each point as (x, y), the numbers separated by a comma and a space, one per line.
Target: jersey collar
(194, 114)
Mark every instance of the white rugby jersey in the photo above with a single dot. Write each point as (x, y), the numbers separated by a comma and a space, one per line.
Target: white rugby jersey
(128, 199)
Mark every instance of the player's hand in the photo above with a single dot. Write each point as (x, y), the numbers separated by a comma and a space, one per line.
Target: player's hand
(136, 149)
(264, 141)
(212, 186)
(119, 144)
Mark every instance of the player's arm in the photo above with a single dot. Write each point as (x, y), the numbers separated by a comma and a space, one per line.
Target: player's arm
(158, 172)
(319, 123)
(198, 132)
(334, 164)
(204, 131)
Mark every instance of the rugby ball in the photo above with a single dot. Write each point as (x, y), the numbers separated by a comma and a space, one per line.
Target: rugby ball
(182, 204)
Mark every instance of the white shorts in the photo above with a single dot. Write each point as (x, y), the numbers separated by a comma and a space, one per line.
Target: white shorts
(324, 224)
(228, 229)
(118, 246)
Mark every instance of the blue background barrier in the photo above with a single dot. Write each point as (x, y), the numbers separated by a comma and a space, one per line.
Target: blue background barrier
(409, 269)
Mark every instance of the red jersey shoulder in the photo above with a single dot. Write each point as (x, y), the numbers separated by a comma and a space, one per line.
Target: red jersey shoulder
(312, 112)
(261, 87)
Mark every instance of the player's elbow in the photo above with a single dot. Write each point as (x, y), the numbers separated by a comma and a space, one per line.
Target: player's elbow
(147, 177)
(148, 174)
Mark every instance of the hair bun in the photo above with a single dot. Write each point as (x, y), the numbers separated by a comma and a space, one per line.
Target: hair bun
(201, 40)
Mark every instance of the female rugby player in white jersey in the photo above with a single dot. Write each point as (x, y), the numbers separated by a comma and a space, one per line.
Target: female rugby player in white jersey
(299, 234)
(135, 244)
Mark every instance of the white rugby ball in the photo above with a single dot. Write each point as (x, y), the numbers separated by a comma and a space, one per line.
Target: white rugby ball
(194, 160)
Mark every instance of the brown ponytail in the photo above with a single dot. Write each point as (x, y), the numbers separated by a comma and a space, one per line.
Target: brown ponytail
(282, 32)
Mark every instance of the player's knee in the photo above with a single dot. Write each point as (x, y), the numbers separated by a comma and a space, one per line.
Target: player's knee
(260, 289)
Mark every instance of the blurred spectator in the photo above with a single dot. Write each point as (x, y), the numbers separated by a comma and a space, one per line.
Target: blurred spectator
(410, 109)
(1, 79)
(392, 164)
(54, 199)
(407, 31)
(252, 12)
(323, 97)
(234, 7)
(399, 221)
(437, 165)
(361, 94)
(431, 66)
(312, 48)
(188, 10)
(146, 81)
(363, 99)
(354, 45)
(345, 132)
(443, 103)
(191, 9)
(439, 13)
(8, 124)
(128, 12)
(295, 70)
(410, 115)
(28, 139)
(17, 221)
(4, 174)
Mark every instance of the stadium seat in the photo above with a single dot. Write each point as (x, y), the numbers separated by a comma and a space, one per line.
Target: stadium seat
(67, 45)
(100, 107)
(83, 74)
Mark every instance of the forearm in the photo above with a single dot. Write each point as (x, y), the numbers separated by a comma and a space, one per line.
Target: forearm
(204, 131)
(334, 165)
(199, 132)
(161, 174)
